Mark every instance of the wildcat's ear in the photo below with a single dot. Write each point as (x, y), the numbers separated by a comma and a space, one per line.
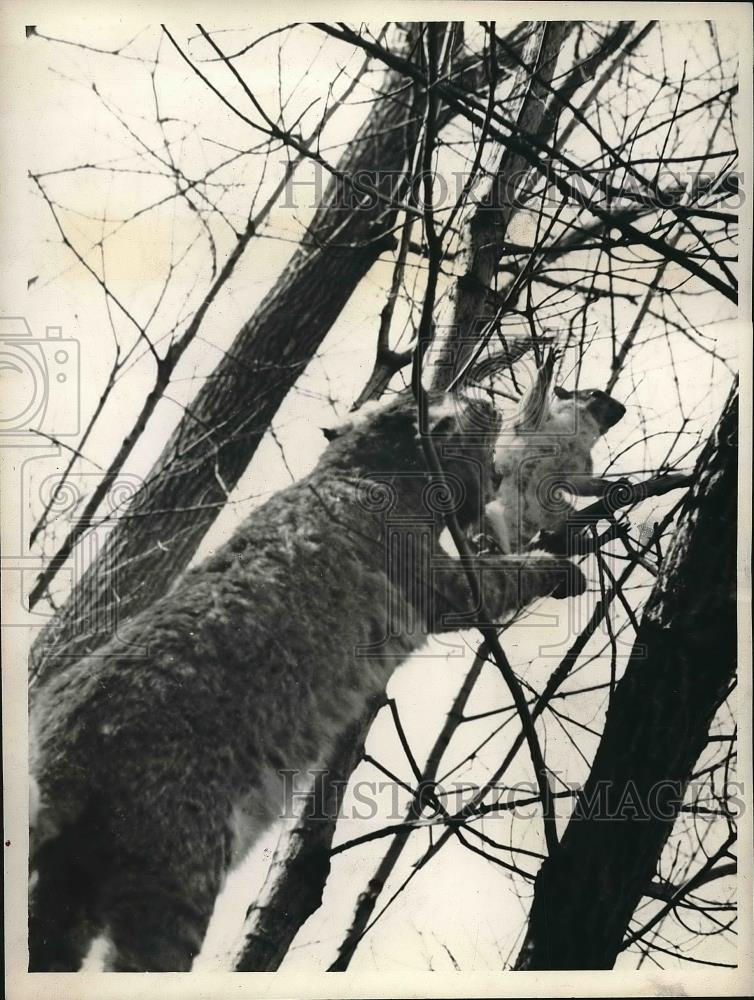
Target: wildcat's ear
(354, 419)
(560, 393)
(481, 416)
(443, 415)
(464, 414)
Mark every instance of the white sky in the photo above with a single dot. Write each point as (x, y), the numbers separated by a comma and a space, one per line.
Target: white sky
(459, 901)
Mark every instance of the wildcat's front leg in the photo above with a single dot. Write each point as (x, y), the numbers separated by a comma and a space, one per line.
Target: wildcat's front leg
(502, 586)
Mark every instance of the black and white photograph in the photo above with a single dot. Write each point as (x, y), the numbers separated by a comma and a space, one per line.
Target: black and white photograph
(376, 499)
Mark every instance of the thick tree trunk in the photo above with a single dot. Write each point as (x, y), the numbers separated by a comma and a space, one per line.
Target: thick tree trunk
(657, 725)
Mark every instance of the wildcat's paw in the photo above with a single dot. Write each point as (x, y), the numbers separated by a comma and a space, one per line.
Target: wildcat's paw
(548, 575)
(572, 582)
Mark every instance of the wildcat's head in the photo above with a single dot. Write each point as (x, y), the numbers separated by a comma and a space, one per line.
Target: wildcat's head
(385, 439)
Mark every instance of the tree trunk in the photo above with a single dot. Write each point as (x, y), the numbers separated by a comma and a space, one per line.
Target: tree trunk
(680, 670)
(486, 230)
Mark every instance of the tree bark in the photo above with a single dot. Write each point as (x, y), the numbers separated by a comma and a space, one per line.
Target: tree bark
(657, 725)
(458, 334)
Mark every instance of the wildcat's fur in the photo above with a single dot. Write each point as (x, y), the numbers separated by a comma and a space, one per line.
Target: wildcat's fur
(156, 771)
